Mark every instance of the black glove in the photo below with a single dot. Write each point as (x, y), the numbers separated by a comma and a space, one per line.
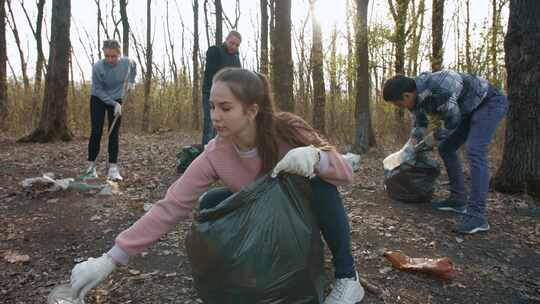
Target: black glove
(441, 134)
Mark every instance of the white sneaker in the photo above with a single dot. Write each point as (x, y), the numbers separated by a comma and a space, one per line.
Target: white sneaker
(114, 174)
(346, 291)
(90, 173)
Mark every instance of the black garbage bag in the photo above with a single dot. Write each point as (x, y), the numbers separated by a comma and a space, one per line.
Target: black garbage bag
(260, 246)
(413, 179)
(186, 156)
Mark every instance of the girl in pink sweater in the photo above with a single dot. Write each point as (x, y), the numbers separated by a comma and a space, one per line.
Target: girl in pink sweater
(253, 139)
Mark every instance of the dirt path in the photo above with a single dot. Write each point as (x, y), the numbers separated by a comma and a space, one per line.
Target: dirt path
(58, 229)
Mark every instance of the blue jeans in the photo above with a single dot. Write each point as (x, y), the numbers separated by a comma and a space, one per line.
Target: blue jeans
(328, 208)
(208, 129)
(476, 132)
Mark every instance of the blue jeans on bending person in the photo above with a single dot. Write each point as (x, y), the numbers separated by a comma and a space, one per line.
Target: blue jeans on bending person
(476, 133)
(208, 129)
(328, 209)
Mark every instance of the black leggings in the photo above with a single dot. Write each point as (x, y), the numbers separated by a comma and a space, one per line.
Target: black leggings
(97, 117)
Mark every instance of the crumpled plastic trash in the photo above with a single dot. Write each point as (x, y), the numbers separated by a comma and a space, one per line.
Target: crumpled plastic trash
(353, 160)
(395, 159)
(63, 294)
(442, 268)
(47, 181)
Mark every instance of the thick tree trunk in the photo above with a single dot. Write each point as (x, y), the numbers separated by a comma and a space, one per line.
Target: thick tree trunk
(364, 131)
(520, 168)
(148, 77)
(196, 93)
(53, 124)
(437, 23)
(264, 37)
(125, 27)
(219, 22)
(437, 28)
(400, 37)
(3, 71)
(282, 65)
(317, 62)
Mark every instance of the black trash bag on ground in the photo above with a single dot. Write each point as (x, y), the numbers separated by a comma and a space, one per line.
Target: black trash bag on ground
(260, 246)
(186, 156)
(410, 174)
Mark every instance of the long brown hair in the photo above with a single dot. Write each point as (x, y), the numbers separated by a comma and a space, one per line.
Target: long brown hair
(254, 88)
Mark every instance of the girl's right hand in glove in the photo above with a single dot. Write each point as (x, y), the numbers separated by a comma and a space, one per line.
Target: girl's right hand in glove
(86, 275)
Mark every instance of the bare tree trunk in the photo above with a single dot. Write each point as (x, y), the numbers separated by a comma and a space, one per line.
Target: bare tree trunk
(13, 27)
(417, 32)
(302, 78)
(494, 42)
(282, 65)
(219, 22)
(207, 25)
(196, 92)
(271, 34)
(116, 32)
(317, 61)
(125, 27)
(364, 131)
(3, 70)
(437, 25)
(53, 124)
(264, 37)
(468, 60)
(148, 77)
(170, 44)
(520, 167)
(40, 61)
(98, 27)
(335, 95)
(351, 71)
(399, 13)
(400, 36)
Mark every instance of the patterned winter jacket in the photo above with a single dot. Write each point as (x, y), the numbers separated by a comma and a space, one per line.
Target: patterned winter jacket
(446, 95)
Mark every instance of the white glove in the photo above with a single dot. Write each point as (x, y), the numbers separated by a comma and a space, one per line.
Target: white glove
(301, 161)
(117, 109)
(130, 87)
(394, 160)
(88, 274)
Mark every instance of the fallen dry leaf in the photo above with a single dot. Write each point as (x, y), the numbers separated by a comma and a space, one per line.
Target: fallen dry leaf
(15, 257)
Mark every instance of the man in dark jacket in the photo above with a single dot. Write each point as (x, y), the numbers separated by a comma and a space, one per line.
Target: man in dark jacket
(471, 109)
(217, 57)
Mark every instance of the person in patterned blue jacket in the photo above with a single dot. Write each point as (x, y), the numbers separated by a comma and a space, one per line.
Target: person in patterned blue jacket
(471, 109)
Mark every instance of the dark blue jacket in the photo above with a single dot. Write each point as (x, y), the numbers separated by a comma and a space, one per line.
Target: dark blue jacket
(448, 96)
(217, 57)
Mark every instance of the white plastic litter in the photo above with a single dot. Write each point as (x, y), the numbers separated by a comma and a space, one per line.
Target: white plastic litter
(147, 206)
(63, 294)
(395, 159)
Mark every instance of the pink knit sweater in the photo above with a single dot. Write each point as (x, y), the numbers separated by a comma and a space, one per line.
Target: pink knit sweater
(222, 161)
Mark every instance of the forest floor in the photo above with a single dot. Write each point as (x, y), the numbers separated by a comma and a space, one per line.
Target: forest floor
(55, 230)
